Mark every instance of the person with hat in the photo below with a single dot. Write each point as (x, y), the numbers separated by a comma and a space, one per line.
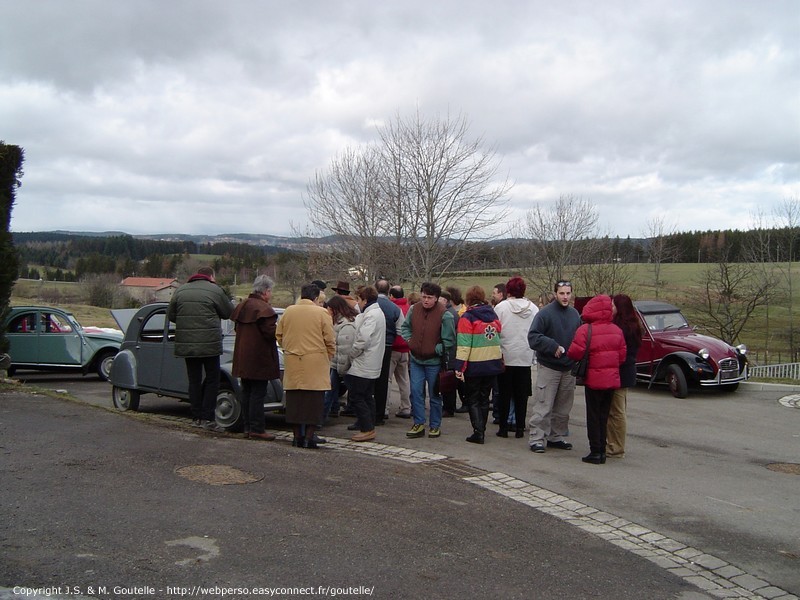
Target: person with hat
(343, 289)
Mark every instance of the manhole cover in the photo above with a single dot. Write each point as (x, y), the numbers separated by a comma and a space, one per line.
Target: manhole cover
(217, 475)
(790, 468)
(792, 401)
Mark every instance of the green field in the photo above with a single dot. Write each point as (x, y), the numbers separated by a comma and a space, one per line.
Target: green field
(679, 285)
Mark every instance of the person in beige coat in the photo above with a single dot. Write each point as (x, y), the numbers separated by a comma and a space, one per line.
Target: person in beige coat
(305, 332)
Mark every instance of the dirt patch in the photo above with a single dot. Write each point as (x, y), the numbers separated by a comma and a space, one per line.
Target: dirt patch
(218, 475)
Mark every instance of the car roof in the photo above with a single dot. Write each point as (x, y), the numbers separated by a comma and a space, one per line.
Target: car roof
(652, 307)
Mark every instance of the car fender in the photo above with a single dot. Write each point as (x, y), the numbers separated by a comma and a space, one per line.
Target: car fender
(693, 366)
(123, 370)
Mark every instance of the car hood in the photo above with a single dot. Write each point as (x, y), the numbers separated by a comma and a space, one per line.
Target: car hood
(123, 317)
(103, 333)
(692, 342)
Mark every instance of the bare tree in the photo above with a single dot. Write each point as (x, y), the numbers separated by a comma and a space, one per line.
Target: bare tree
(607, 274)
(659, 248)
(346, 202)
(787, 215)
(731, 293)
(446, 187)
(759, 252)
(406, 208)
(560, 236)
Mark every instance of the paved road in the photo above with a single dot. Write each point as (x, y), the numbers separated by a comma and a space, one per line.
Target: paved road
(694, 492)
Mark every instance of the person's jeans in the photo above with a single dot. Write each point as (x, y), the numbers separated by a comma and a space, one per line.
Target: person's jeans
(203, 392)
(254, 393)
(420, 375)
(360, 397)
(598, 403)
(382, 385)
(331, 396)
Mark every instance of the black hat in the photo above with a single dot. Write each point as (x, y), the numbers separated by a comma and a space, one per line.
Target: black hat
(320, 284)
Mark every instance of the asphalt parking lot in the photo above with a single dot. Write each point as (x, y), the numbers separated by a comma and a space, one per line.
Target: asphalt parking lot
(710, 477)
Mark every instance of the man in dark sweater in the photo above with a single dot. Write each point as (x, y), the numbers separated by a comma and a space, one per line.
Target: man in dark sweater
(550, 335)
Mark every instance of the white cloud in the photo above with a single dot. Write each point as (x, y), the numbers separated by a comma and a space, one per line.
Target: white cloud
(204, 117)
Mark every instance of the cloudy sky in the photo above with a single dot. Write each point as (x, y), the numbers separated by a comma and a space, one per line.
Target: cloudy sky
(200, 116)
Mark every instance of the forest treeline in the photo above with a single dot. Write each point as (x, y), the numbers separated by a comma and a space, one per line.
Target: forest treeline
(69, 257)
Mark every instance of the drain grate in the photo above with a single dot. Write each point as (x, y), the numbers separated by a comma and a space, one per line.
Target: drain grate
(217, 475)
(789, 468)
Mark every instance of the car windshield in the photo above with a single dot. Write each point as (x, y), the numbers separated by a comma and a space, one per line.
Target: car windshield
(661, 322)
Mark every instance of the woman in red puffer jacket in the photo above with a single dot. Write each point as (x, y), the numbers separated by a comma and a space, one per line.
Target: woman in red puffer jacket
(606, 353)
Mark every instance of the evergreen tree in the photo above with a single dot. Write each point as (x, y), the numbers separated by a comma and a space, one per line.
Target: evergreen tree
(11, 159)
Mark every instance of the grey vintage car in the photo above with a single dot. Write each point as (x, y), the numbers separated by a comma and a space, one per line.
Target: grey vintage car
(44, 338)
(146, 363)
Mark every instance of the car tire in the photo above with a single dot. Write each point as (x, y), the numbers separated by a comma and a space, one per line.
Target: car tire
(103, 363)
(228, 413)
(125, 399)
(676, 380)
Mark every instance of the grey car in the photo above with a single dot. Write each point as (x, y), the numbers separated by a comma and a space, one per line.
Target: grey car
(146, 363)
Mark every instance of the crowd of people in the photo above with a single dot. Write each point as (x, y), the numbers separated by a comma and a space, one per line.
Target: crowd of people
(362, 340)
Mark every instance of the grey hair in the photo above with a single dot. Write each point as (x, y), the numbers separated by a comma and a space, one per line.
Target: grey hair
(262, 284)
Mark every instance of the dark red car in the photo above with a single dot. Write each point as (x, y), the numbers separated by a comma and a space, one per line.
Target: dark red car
(673, 353)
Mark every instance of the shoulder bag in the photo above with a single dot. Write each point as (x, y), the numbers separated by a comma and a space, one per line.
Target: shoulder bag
(581, 366)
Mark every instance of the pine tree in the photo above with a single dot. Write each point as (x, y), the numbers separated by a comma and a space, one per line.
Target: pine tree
(11, 159)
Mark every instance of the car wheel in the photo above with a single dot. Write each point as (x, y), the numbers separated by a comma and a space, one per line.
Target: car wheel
(228, 413)
(125, 399)
(103, 362)
(676, 381)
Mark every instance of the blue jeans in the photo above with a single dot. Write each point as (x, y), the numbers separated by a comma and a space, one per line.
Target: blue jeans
(331, 396)
(420, 375)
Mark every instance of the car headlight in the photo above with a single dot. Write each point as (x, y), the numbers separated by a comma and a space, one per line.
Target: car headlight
(741, 349)
(703, 353)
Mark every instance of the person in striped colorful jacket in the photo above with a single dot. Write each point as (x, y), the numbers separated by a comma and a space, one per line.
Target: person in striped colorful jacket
(479, 358)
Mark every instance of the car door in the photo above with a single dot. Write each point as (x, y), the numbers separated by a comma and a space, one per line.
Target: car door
(59, 341)
(174, 380)
(647, 355)
(150, 345)
(23, 338)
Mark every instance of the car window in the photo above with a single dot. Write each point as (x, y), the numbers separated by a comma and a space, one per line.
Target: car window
(153, 328)
(54, 324)
(660, 322)
(23, 324)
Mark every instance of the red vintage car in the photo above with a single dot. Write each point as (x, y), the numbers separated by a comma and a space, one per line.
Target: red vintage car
(673, 353)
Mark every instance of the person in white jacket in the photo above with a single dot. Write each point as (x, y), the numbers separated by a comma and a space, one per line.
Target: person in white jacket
(516, 314)
(367, 359)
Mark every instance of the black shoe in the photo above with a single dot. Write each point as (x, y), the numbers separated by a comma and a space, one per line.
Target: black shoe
(318, 440)
(561, 445)
(310, 444)
(297, 442)
(521, 433)
(381, 422)
(502, 433)
(446, 414)
(496, 421)
(354, 427)
(475, 438)
(595, 458)
(462, 409)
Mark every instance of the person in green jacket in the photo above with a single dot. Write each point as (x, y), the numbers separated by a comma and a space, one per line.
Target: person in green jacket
(196, 308)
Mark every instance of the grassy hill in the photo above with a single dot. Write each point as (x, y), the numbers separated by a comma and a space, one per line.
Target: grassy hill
(680, 285)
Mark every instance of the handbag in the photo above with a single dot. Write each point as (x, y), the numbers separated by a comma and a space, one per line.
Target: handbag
(447, 379)
(581, 366)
